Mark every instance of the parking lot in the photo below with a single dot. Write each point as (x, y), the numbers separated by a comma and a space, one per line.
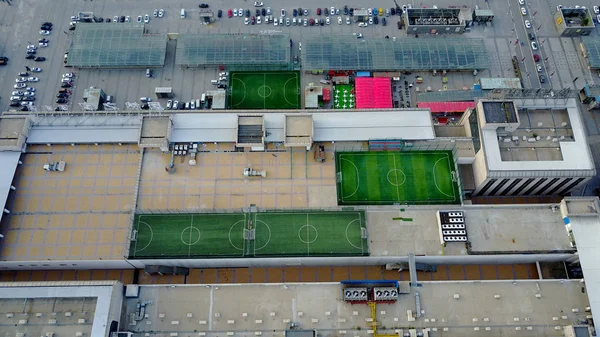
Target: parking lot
(21, 22)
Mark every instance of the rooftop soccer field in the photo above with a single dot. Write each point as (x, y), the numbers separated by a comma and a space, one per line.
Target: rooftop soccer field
(264, 90)
(384, 178)
(249, 235)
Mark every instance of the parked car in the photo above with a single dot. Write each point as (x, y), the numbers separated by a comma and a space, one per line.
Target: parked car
(66, 84)
(128, 18)
(29, 57)
(146, 18)
(43, 45)
(534, 45)
(258, 4)
(19, 85)
(39, 59)
(30, 89)
(539, 68)
(203, 5)
(16, 93)
(155, 13)
(21, 80)
(161, 13)
(61, 100)
(523, 11)
(542, 79)
(219, 13)
(169, 104)
(318, 11)
(33, 79)
(527, 24)
(139, 18)
(44, 32)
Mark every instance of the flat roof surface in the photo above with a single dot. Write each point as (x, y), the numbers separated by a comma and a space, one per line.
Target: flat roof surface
(232, 49)
(500, 83)
(575, 153)
(345, 52)
(64, 308)
(494, 229)
(437, 107)
(116, 46)
(373, 93)
(317, 306)
(592, 50)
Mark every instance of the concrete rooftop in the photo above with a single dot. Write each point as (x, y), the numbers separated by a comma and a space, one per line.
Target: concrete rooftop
(208, 309)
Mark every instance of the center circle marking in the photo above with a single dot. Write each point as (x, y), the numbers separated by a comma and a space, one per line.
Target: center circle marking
(306, 231)
(396, 177)
(187, 239)
(264, 91)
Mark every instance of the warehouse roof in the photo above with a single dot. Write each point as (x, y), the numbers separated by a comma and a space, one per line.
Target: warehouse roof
(592, 50)
(225, 49)
(116, 46)
(380, 54)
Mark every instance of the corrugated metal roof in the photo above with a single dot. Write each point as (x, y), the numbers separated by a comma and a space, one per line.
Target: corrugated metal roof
(9, 160)
(500, 83)
(437, 107)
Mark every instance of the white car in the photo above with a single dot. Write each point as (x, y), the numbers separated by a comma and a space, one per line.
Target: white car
(293, 21)
(155, 13)
(240, 12)
(19, 85)
(26, 103)
(299, 46)
(527, 24)
(305, 23)
(282, 12)
(234, 12)
(17, 93)
(362, 24)
(268, 10)
(275, 22)
(287, 21)
(29, 94)
(348, 21)
(523, 11)
(43, 44)
(169, 104)
(259, 20)
(370, 11)
(21, 80)
(16, 98)
(115, 19)
(192, 104)
(31, 46)
(139, 19)
(36, 70)
(371, 21)
(534, 45)
(521, 2)
(258, 4)
(44, 32)
(68, 75)
(146, 18)
(332, 11)
(558, 8)
(539, 68)
(75, 18)
(327, 21)
(596, 9)
(161, 13)
(246, 21)
(33, 79)
(30, 89)
(128, 18)
(339, 20)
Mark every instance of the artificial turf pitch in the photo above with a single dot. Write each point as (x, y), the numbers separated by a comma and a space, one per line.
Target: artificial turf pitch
(384, 178)
(275, 234)
(264, 90)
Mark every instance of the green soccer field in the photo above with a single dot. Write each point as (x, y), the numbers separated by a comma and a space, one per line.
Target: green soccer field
(264, 90)
(234, 235)
(384, 178)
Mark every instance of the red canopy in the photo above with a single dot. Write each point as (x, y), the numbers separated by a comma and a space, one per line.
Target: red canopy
(373, 93)
(437, 107)
(326, 95)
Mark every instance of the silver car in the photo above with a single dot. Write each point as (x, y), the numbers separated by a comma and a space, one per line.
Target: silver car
(240, 12)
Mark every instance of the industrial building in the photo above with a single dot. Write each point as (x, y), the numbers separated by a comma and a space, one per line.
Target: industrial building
(437, 20)
(574, 21)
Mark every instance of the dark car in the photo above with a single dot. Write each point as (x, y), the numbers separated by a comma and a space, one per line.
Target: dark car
(66, 85)
(61, 101)
(345, 9)
(536, 57)
(531, 36)
(219, 13)
(326, 11)
(47, 24)
(222, 86)
(393, 11)
(263, 12)
(321, 22)
(64, 91)
(44, 27)
(13, 103)
(62, 95)
(31, 51)
(100, 20)
(203, 5)
(300, 11)
(311, 22)
(39, 59)
(32, 99)
(295, 12)
(247, 13)
(351, 11)
(122, 18)
(252, 20)
(376, 20)
(30, 57)
(383, 22)
(108, 20)
(542, 79)
(318, 11)
(399, 25)
(44, 40)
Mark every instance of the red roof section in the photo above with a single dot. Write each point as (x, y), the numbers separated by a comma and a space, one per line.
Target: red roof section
(326, 94)
(373, 93)
(437, 107)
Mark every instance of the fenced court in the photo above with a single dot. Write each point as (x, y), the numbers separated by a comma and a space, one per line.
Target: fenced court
(249, 234)
(264, 90)
(394, 177)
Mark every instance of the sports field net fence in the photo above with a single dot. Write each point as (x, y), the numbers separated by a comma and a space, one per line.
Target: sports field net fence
(403, 146)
